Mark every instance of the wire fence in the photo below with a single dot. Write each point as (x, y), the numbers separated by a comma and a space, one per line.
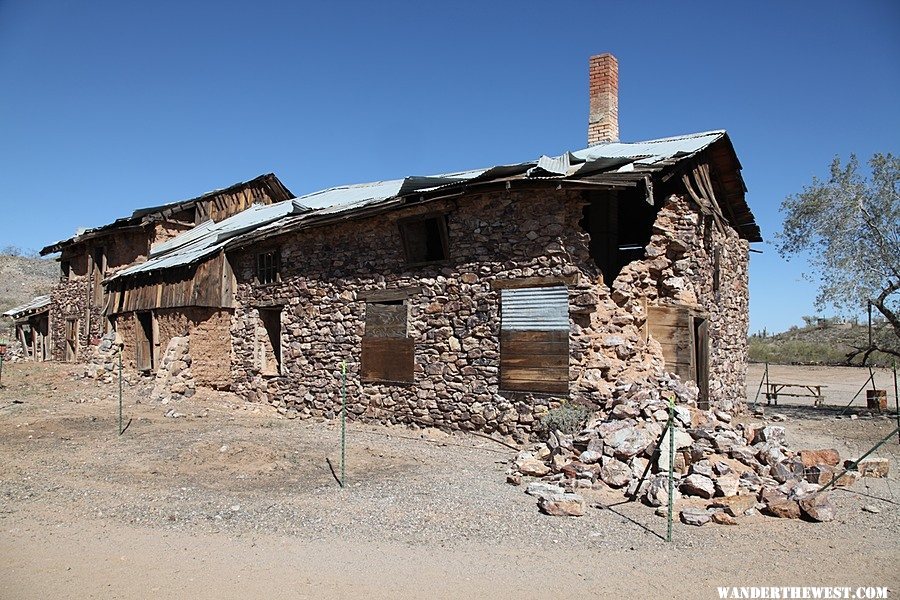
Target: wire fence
(839, 384)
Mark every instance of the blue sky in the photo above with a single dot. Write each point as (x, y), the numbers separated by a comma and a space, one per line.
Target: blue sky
(109, 106)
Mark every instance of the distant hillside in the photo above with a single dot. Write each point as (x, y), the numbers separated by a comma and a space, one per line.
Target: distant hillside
(22, 278)
(822, 342)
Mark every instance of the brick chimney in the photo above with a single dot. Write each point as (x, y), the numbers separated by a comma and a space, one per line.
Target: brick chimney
(603, 121)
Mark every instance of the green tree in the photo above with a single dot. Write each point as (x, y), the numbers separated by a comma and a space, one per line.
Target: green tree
(849, 229)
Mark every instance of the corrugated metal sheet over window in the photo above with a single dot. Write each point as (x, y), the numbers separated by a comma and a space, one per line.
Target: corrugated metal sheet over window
(535, 309)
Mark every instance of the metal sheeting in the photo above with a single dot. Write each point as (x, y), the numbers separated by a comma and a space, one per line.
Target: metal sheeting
(535, 309)
(615, 158)
(651, 151)
(351, 194)
(34, 305)
(208, 238)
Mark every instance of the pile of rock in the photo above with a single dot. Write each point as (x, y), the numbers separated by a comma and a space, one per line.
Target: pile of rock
(103, 362)
(14, 352)
(174, 379)
(724, 469)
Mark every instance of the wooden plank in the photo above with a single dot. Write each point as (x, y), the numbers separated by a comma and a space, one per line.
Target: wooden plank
(385, 320)
(670, 325)
(534, 360)
(536, 374)
(387, 359)
(538, 386)
(526, 282)
(389, 295)
(516, 336)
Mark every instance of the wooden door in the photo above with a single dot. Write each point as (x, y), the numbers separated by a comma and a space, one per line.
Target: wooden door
(684, 337)
(144, 348)
(43, 335)
(71, 340)
(671, 326)
(701, 343)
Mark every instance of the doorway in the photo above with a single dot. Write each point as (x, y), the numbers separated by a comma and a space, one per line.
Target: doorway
(146, 341)
(701, 360)
(71, 340)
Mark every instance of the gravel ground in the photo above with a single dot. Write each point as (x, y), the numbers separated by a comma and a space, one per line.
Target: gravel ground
(244, 478)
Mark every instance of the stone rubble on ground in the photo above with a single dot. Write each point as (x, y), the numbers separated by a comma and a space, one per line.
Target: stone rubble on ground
(740, 467)
(174, 380)
(103, 361)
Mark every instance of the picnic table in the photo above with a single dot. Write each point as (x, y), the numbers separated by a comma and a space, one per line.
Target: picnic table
(796, 390)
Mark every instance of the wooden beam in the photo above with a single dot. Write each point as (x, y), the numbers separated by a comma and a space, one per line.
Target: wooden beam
(526, 282)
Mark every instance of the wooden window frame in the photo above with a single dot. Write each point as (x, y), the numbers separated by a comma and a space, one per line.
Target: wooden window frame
(404, 224)
(262, 272)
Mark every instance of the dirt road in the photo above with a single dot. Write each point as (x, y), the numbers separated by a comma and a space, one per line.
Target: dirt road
(233, 501)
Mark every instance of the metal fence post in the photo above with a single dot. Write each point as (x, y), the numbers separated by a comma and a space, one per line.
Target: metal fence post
(671, 465)
(120, 391)
(343, 421)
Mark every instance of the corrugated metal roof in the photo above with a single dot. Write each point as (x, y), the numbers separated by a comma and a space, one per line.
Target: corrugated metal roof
(269, 181)
(208, 238)
(612, 158)
(651, 151)
(34, 305)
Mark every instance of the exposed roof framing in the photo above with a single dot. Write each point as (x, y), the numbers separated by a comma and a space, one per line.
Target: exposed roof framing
(611, 166)
(142, 216)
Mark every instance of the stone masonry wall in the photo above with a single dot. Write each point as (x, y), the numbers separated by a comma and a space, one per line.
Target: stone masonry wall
(455, 320)
(72, 300)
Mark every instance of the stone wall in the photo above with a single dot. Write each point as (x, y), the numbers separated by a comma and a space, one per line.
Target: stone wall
(72, 299)
(455, 318)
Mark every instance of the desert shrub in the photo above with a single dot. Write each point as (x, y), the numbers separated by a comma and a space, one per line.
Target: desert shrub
(568, 418)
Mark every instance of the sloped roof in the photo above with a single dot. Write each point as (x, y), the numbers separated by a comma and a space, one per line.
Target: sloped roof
(276, 189)
(208, 238)
(613, 165)
(33, 306)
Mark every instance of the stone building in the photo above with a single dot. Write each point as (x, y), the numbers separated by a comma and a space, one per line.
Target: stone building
(471, 300)
(77, 316)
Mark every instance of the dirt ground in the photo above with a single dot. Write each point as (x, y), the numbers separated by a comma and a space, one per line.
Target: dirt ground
(231, 500)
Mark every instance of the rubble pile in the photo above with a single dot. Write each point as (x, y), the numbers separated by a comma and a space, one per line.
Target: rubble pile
(14, 352)
(103, 362)
(174, 378)
(725, 467)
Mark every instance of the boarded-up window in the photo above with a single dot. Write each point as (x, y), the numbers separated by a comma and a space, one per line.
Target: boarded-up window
(534, 340)
(425, 239)
(685, 346)
(387, 352)
(268, 341)
(268, 267)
